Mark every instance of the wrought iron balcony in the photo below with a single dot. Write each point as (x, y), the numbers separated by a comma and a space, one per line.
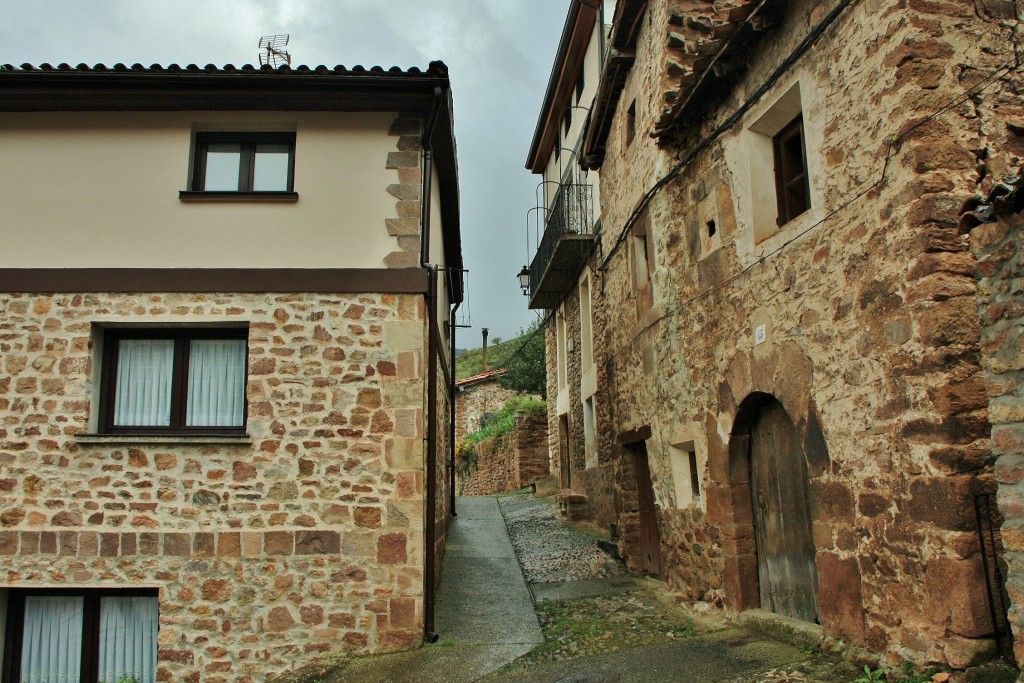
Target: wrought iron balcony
(567, 242)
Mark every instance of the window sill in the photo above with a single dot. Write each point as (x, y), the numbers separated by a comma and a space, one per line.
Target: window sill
(99, 439)
(198, 196)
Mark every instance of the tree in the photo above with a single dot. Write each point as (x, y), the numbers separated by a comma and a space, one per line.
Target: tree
(526, 368)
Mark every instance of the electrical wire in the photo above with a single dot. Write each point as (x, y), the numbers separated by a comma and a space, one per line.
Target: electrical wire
(892, 147)
(731, 121)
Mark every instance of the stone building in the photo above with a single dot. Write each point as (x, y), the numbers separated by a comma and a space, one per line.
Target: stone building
(225, 381)
(790, 410)
(476, 397)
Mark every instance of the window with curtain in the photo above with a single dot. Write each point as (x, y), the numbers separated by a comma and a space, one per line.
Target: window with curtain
(174, 380)
(244, 162)
(94, 636)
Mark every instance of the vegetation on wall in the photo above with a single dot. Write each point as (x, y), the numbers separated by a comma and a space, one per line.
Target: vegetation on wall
(502, 423)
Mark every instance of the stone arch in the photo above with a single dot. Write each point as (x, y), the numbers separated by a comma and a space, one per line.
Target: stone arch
(784, 373)
(782, 465)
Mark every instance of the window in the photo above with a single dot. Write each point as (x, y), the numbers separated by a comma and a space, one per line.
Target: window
(244, 162)
(630, 129)
(586, 324)
(64, 636)
(791, 187)
(590, 433)
(561, 339)
(686, 464)
(173, 380)
(778, 142)
(643, 264)
(694, 476)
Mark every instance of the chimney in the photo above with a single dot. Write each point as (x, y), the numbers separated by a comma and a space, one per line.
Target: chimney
(485, 350)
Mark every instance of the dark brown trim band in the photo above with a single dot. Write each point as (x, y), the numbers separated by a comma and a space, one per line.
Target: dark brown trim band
(228, 280)
(204, 196)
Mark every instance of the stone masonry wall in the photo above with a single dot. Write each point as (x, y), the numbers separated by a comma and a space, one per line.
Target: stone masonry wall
(473, 402)
(510, 462)
(872, 335)
(1001, 262)
(307, 539)
(998, 247)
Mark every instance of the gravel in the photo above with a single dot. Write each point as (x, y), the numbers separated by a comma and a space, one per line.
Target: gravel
(549, 549)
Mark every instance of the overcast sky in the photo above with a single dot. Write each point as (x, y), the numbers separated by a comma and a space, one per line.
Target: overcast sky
(499, 54)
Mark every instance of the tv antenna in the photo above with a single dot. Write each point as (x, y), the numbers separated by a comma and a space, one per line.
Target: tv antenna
(275, 54)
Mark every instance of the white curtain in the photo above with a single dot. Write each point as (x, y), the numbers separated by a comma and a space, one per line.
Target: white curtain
(144, 370)
(128, 628)
(51, 651)
(216, 383)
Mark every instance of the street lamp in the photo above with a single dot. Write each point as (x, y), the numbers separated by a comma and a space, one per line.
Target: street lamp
(524, 280)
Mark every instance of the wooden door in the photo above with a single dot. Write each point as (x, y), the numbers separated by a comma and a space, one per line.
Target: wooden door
(650, 540)
(564, 469)
(788, 577)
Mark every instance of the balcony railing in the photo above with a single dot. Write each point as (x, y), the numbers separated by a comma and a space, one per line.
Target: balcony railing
(567, 242)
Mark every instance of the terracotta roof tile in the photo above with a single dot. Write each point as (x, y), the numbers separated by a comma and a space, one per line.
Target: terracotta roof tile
(1003, 199)
(435, 70)
(481, 377)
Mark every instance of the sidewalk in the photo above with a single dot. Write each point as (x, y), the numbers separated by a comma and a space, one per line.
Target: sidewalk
(484, 612)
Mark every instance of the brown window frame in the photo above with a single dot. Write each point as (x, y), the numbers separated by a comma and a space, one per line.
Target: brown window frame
(629, 132)
(182, 336)
(248, 141)
(90, 629)
(792, 188)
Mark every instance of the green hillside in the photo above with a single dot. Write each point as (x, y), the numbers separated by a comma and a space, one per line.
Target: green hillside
(470, 361)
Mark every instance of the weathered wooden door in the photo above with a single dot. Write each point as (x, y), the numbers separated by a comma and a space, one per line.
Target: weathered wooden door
(650, 540)
(564, 469)
(788, 577)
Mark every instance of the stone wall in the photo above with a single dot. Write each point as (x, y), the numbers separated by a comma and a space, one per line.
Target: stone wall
(473, 402)
(509, 462)
(304, 539)
(872, 340)
(1001, 262)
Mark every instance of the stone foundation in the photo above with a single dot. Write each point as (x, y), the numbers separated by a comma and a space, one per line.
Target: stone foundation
(304, 538)
(509, 462)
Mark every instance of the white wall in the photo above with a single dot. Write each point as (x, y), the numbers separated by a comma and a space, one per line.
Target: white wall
(101, 190)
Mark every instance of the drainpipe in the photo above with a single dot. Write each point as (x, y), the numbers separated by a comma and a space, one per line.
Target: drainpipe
(430, 568)
(451, 389)
(428, 176)
(430, 447)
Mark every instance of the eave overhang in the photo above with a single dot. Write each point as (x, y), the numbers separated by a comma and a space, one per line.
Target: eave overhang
(629, 16)
(572, 48)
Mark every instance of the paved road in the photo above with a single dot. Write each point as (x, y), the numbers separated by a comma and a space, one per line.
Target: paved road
(484, 612)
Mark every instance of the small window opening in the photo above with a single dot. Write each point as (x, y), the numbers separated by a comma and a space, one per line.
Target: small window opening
(711, 229)
(694, 477)
(631, 123)
(792, 189)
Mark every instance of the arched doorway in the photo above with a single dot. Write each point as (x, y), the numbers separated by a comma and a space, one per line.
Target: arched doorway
(786, 570)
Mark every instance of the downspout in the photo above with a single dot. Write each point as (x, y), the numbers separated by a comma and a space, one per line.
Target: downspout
(451, 425)
(428, 176)
(430, 450)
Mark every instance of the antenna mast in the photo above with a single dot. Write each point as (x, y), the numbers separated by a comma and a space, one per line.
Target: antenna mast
(275, 55)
